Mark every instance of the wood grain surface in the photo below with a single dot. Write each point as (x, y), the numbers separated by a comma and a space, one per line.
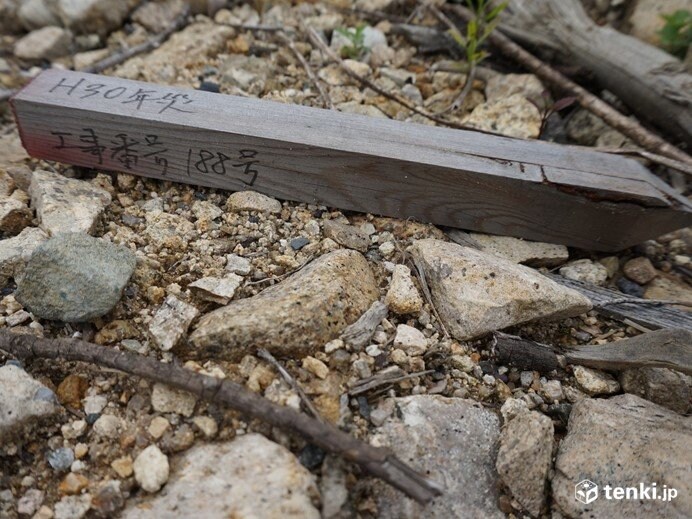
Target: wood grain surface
(529, 189)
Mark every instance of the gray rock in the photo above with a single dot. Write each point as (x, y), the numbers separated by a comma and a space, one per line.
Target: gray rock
(532, 253)
(247, 477)
(44, 44)
(65, 204)
(524, 458)
(585, 270)
(640, 270)
(158, 16)
(23, 401)
(216, 290)
(476, 293)
(500, 86)
(295, 317)
(72, 507)
(454, 442)
(93, 16)
(167, 400)
(252, 201)
(35, 14)
(411, 340)
(624, 441)
(662, 386)
(60, 459)
(238, 265)
(171, 322)
(73, 277)
(16, 251)
(346, 235)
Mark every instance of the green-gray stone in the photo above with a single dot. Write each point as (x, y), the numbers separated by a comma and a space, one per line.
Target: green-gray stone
(74, 277)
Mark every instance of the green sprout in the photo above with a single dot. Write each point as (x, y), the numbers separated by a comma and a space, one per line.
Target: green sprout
(357, 47)
(676, 34)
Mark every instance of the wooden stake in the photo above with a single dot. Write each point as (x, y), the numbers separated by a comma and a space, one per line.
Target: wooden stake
(529, 189)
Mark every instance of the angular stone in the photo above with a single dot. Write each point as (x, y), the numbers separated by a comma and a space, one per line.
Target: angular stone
(166, 230)
(252, 201)
(524, 458)
(167, 400)
(216, 290)
(586, 271)
(532, 253)
(14, 215)
(158, 16)
(23, 401)
(411, 340)
(238, 265)
(403, 297)
(624, 441)
(247, 477)
(16, 251)
(594, 382)
(346, 235)
(454, 442)
(65, 204)
(295, 317)
(662, 386)
(73, 277)
(640, 270)
(44, 44)
(476, 293)
(171, 322)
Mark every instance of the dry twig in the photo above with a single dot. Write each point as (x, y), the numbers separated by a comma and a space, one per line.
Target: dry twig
(612, 117)
(265, 355)
(377, 461)
(318, 42)
(308, 69)
(151, 44)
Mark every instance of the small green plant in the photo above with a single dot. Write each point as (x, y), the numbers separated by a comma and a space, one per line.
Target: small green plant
(676, 34)
(357, 47)
(485, 20)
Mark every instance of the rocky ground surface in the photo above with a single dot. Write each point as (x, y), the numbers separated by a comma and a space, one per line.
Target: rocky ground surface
(172, 271)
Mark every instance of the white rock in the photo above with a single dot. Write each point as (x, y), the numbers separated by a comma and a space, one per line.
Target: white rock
(594, 382)
(94, 404)
(23, 401)
(44, 44)
(252, 201)
(500, 86)
(533, 253)
(411, 340)
(238, 265)
(552, 389)
(402, 296)
(72, 507)
(585, 270)
(371, 38)
(203, 209)
(93, 16)
(217, 290)
(476, 293)
(151, 469)
(167, 400)
(513, 116)
(66, 205)
(171, 322)
(247, 477)
(108, 426)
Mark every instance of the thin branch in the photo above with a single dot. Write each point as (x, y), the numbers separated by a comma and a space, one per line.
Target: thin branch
(151, 44)
(373, 382)
(265, 355)
(653, 157)
(587, 100)
(377, 461)
(308, 69)
(317, 41)
(652, 302)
